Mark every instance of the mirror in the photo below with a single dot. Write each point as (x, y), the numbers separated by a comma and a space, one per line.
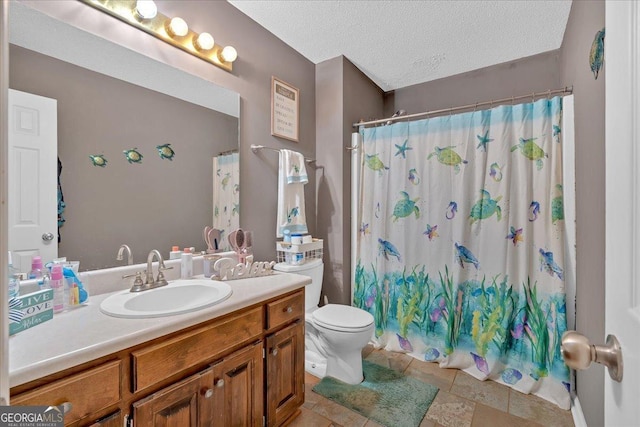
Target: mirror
(107, 107)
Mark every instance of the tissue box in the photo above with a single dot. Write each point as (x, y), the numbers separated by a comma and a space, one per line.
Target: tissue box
(35, 308)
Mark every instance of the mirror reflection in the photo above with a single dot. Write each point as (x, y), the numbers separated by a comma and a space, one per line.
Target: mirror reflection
(135, 166)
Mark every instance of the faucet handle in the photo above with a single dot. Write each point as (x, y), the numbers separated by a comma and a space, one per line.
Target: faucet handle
(161, 281)
(138, 284)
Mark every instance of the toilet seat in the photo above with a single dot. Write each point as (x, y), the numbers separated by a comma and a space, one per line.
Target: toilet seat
(342, 318)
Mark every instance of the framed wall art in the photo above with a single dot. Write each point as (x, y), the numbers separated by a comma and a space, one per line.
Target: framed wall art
(285, 110)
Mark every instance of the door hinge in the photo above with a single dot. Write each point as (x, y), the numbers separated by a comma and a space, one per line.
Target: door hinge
(128, 421)
(264, 355)
(264, 421)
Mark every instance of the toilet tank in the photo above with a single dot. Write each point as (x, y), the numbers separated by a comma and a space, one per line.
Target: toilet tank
(313, 269)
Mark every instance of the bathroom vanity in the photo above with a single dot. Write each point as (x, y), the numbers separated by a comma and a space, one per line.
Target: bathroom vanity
(240, 362)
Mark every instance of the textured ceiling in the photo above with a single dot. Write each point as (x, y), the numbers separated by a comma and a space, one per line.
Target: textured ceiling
(401, 43)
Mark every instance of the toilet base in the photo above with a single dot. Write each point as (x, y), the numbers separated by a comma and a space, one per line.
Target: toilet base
(315, 364)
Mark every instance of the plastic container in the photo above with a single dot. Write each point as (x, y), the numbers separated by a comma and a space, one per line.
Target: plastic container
(57, 284)
(14, 286)
(36, 269)
(14, 279)
(175, 252)
(186, 264)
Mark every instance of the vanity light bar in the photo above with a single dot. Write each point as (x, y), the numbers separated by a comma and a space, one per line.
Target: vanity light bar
(143, 14)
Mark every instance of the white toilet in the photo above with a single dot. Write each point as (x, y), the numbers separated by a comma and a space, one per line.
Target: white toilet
(334, 334)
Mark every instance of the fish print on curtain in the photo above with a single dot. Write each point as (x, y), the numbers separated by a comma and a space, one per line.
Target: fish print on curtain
(461, 243)
(226, 196)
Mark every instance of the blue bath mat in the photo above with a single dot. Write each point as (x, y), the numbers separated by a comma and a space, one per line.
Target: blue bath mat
(386, 396)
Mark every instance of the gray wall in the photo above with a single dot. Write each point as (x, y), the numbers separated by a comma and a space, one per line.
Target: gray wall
(536, 73)
(260, 56)
(344, 95)
(143, 205)
(585, 19)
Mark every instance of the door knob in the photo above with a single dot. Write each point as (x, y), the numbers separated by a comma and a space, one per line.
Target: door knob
(47, 237)
(578, 353)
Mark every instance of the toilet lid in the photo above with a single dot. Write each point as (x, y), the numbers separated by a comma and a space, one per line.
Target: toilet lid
(342, 317)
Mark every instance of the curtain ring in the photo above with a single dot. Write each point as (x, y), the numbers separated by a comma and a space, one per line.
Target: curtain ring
(475, 108)
(491, 104)
(549, 94)
(513, 100)
(533, 97)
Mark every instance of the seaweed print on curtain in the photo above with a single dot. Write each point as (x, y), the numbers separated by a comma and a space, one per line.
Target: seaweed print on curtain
(226, 196)
(461, 243)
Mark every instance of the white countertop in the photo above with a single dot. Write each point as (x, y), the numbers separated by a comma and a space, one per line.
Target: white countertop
(85, 333)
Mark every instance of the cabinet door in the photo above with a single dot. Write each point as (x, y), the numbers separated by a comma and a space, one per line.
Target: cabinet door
(184, 404)
(285, 373)
(238, 388)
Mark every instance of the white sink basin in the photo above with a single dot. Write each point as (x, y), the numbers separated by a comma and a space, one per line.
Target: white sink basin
(179, 296)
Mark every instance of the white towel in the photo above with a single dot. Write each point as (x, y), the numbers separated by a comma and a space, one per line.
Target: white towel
(294, 167)
(292, 176)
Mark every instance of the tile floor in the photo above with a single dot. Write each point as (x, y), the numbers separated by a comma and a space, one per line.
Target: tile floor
(462, 401)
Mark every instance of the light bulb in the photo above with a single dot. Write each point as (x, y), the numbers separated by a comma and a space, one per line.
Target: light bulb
(177, 27)
(204, 41)
(229, 54)
(146, 9)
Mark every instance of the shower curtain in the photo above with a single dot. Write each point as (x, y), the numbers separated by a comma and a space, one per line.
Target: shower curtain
(226, 196)
(461, 240)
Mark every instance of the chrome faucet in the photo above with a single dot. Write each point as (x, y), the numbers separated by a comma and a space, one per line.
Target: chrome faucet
(139, 285)
(160, 281)
(120, 256)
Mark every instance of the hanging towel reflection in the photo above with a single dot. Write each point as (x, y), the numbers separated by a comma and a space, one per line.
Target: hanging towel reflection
(292, 176)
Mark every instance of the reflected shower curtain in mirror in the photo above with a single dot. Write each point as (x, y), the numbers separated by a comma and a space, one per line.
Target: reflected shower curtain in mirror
(226, 195)
(461, 243)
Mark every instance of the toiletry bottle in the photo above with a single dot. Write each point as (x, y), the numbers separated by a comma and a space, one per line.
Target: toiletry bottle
(186, 264)
(175, 253)
(36, 268)
(57, 284)
(14, 280)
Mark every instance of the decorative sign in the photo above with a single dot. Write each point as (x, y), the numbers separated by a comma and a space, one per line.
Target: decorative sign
(285, 108)
(34, 309)
(227, 269)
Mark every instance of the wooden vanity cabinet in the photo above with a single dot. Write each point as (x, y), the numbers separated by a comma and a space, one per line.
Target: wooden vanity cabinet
(285, 373)
(185, 404)
(243, 369)
(238, 388)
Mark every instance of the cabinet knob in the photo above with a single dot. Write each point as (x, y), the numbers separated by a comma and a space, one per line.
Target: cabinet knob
(207, 393)
(66, 407)
(220, 383)
(289, 309)
(274, 351)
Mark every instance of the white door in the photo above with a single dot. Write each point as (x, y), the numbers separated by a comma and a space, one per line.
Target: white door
(622, 62)
(32, 175)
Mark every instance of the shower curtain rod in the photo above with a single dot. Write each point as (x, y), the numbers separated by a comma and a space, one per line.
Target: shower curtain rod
(255, 148)
(563, 91)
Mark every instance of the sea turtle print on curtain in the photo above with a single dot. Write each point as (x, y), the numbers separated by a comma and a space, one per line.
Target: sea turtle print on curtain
(461, 260)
